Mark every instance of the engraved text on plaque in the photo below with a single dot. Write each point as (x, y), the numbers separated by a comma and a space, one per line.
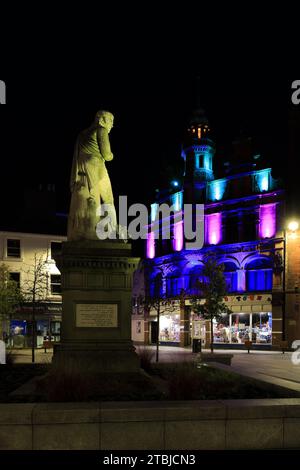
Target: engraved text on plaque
(97, 315)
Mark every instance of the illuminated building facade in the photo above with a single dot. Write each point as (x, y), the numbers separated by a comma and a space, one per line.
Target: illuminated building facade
(20, 252)
(34, 236)
(243, 220)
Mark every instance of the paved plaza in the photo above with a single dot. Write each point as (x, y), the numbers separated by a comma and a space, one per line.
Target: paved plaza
(273, 367)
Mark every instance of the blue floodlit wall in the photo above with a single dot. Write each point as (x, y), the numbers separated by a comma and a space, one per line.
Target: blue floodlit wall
(216, 189)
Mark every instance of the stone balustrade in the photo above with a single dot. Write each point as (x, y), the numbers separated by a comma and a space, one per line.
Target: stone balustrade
(184, 425)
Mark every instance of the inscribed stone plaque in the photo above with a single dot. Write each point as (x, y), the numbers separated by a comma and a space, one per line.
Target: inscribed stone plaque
(97, 315)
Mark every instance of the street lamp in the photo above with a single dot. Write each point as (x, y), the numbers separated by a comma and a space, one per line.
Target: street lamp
(292, 227)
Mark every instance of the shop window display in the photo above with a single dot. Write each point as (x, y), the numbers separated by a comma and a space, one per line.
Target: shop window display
(42, 332)
(55, 330)
(169, 328)
(262, 328)
(18, 330)
(221, 330)
(240, 328)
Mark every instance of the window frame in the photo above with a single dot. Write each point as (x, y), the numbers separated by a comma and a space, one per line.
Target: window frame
(17, 282)
(55, 284)
(7, 256)
(268, 276)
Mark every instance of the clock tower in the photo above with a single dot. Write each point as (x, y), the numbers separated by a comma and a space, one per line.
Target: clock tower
(198, 152)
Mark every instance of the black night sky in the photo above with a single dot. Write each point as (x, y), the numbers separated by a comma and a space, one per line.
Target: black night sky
(47, 107)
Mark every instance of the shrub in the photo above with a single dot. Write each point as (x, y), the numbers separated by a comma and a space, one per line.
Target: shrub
(146, 356)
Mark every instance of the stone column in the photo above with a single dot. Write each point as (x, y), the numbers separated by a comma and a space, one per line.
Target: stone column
(241, 280)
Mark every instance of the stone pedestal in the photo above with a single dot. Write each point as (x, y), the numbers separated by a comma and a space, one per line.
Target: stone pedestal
(96, 314)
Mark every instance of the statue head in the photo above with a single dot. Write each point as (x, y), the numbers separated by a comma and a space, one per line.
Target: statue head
(104, 119)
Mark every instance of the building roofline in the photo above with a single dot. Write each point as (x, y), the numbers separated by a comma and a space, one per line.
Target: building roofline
(31, 234)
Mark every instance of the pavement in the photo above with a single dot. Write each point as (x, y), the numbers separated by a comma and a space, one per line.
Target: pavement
(273, 367)
(269, 366)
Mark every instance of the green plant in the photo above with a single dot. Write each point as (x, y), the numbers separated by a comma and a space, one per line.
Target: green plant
(10, 298)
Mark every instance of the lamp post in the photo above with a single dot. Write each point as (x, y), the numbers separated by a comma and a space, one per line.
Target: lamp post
(292, 227)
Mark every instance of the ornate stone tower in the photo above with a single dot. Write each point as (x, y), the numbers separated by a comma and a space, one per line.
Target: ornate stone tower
(198, 152)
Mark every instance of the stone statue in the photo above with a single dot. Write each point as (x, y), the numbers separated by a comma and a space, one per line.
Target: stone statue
(90, 183)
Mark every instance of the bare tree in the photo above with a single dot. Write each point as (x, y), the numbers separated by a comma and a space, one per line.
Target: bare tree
(155, 299)
(35, 289)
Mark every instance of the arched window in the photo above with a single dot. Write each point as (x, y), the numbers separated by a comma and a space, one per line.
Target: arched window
(230, 276)
(259, 274)
(156, 286)
(195, 277)
(175, 282)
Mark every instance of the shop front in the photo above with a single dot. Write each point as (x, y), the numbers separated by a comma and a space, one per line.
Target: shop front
(169, 329)
(18, 330)
(240, 327)
(251, 320)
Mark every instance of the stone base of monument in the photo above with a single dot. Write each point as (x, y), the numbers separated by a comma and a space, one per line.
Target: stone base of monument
(96, 311)
(96, 357)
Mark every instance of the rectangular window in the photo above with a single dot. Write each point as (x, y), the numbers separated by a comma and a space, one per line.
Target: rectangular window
(55, 249)
(55, 284)
(262, 328)
(55, 328)
(13, 248)
(231, 281)
(269, 279)
(16, 278)
(251, 281)
(221, 330)
(240, 328)
(258, 280)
